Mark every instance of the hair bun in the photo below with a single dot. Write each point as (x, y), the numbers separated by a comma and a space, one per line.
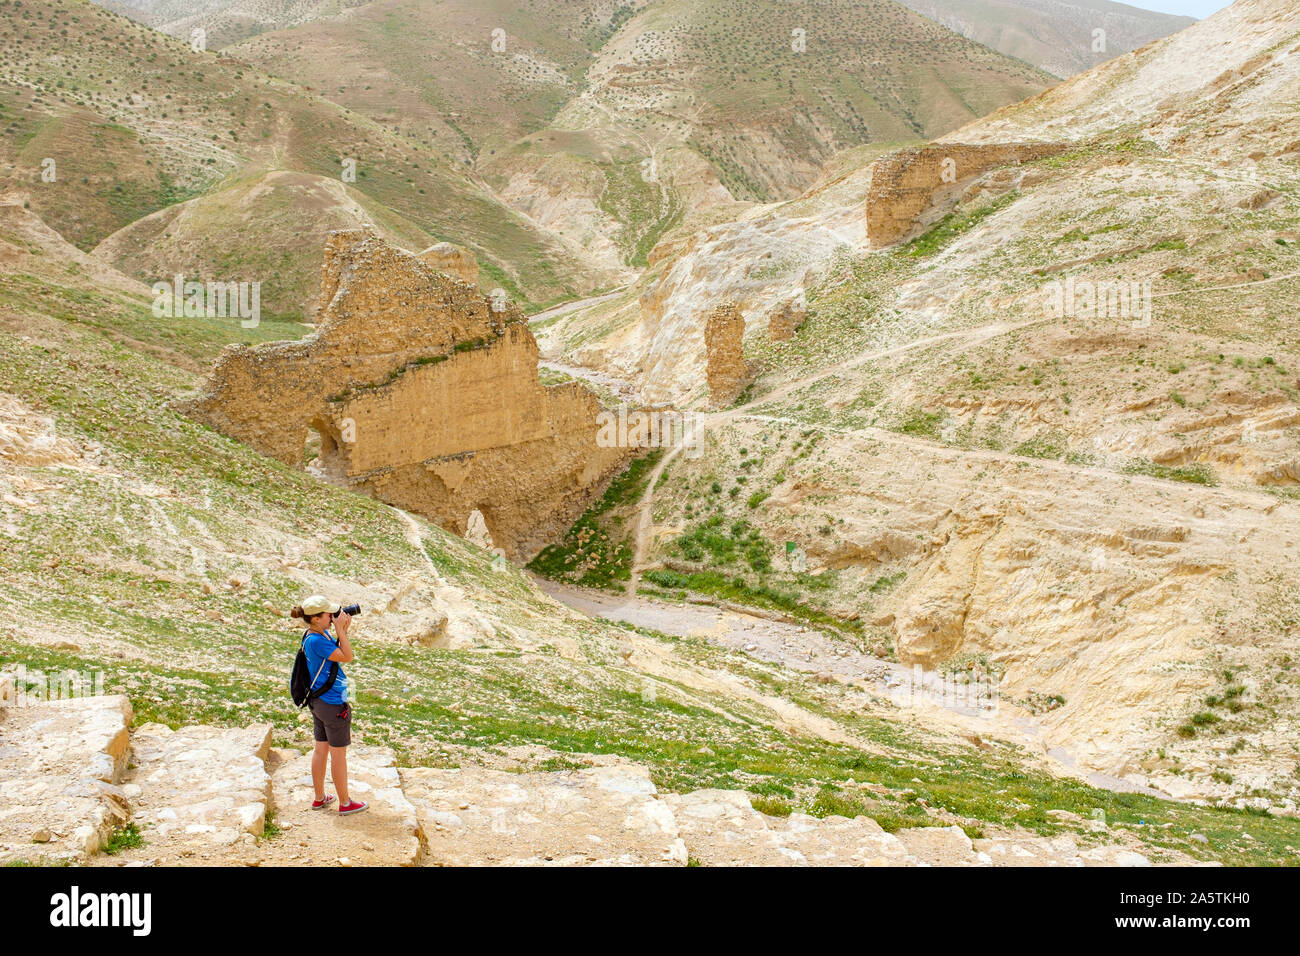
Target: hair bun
(296, 612)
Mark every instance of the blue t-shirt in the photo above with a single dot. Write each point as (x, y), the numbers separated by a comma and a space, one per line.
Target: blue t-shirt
(318, 648)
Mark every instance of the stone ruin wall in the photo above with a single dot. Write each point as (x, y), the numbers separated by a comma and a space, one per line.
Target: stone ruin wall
(452, 260)
(786, 320)
(423, 396)
(906, 183)
(726, 368)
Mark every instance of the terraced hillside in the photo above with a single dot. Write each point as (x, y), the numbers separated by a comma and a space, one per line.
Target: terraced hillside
(128, 122)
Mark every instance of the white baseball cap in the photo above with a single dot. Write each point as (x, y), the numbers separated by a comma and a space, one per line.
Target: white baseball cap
(318, 604)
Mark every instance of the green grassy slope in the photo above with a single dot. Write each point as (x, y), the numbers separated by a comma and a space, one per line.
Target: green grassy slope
(135, 121)
(584, 95)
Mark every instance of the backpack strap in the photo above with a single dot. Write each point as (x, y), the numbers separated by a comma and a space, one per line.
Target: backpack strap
(329, 681)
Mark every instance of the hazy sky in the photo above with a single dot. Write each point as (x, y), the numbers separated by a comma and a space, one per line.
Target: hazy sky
(1189, 8)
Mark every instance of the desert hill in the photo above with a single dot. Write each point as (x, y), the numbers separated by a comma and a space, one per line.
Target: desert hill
(131, 121)
(615, 125)
(226, 21)
(982, 475)
(1058, 36)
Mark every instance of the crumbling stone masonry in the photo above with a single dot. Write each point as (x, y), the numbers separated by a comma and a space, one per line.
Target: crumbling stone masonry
(786, 319)
(453, 260)
(727, 371)
(907, 182)
(422, 396)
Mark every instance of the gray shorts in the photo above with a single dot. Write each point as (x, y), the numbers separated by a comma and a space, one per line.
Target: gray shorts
(328, 726)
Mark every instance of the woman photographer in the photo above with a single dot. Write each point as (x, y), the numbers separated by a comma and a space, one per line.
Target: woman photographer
(331, 711)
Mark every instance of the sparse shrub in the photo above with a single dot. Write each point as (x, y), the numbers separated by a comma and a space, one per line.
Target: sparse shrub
(886, 582)
(771, 806)
(127, 838)
(1197, 474)
(922, 424)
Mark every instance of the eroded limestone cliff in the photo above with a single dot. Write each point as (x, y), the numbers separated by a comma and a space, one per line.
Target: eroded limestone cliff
(424, 393)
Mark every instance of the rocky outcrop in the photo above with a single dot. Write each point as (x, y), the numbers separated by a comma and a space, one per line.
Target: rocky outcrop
(201, 785)
(906, 183)
(29, 440)
(204, 795)
(722, 828)
(759, 263)
(61, 766)
(387, 834)
(605, 816)
(425, 394)
(726, 369)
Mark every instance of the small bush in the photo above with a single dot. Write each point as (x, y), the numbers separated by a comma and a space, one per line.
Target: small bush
(772, 806)
(127, 838)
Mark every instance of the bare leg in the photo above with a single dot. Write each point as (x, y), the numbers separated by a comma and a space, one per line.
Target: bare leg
(318, 757)
(339, 763)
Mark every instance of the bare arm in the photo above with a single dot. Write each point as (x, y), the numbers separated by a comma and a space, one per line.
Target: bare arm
(344, 653)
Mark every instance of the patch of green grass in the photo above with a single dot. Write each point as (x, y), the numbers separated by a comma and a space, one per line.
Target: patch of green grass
(721, 545)
(952, 226)
(737, 590)
(270, 829)
(126, 838)
(887, 582)
(1042, 446)
(772, 806)
(595, 552)
(922, 424)
(1197, 474)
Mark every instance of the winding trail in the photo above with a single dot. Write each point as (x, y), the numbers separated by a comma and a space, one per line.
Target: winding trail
(415, 538)
(707, 420)
(1225, 497)
(564, 308)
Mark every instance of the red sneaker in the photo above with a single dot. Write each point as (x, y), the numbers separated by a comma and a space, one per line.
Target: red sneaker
(322, 804)
(355, 806)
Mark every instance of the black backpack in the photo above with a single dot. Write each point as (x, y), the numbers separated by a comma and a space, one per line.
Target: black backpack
(300, 684)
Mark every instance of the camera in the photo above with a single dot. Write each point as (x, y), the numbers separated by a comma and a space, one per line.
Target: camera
(352, 610)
